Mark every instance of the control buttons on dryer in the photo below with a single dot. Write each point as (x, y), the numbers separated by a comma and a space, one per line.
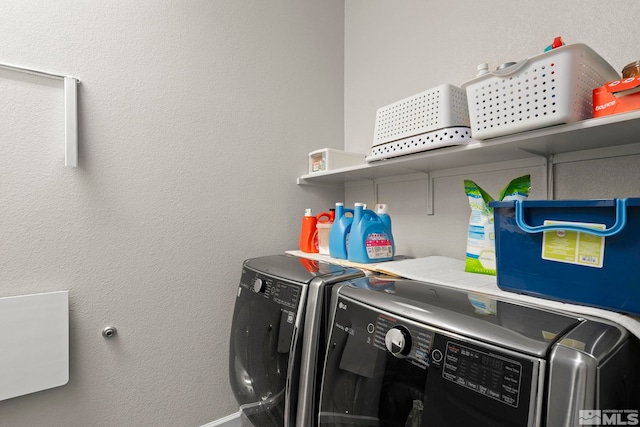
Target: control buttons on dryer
(436, 356)
(258, 285)
(398, 341)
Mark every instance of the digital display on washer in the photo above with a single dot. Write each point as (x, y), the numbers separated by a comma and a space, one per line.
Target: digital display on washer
(285, 294)
(488, 374)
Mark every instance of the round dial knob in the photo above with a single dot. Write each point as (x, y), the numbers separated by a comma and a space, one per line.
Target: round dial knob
(258, 285)
(398, 341)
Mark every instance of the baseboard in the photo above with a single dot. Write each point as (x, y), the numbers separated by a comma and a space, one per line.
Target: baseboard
(232, 420)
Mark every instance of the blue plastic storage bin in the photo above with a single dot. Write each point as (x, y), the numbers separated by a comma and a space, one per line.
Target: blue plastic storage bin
(571, 263)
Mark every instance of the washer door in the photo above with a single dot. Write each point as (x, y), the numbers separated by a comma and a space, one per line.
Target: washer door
(261, 338)
(363, 383)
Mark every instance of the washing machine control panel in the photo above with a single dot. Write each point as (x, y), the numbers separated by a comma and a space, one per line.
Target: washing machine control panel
(483, 371)
(405, 340)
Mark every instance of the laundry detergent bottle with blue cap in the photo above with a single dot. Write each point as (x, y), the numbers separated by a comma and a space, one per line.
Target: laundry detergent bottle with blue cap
(339, 233)
(370, 239)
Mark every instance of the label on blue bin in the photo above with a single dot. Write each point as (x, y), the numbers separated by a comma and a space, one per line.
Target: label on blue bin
(574, 247)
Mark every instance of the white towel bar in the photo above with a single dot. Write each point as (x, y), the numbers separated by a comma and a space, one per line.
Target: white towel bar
(70, 110)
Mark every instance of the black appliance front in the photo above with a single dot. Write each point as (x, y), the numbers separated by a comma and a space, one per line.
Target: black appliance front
(266, 337)
(262, 333)
(442, 381)
(385, 369)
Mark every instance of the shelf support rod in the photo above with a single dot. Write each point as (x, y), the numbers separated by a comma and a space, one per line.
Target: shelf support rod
(550, 188)
(70, 110)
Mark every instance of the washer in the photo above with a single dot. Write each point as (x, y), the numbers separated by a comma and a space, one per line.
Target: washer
(406, 353)
(278, 329)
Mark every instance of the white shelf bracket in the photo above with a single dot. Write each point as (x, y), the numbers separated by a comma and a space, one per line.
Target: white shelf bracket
(548, 163)
(430, 201)
(70, 110)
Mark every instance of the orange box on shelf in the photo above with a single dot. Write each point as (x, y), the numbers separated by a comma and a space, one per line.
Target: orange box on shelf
(615, 97)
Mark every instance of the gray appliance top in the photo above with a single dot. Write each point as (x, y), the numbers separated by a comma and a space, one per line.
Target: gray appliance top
(522, 328)
(296, 269)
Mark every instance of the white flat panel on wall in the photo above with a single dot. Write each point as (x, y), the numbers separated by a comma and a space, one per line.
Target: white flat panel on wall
(34, 343)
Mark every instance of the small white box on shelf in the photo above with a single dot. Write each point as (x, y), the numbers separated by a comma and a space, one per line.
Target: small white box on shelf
(329, 158)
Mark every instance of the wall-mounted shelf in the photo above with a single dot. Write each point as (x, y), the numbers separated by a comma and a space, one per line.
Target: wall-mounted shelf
(602, 132)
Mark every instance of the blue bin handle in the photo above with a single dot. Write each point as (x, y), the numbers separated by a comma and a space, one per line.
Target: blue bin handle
(621, 221)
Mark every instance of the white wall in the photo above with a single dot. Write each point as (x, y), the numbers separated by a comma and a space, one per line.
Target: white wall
(395, 49)
(195, 119)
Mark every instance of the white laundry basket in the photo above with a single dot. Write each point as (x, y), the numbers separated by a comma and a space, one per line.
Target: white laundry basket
(549, 89)
(435, 118)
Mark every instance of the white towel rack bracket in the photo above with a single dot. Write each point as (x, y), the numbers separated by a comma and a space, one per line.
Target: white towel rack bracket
(70, 110)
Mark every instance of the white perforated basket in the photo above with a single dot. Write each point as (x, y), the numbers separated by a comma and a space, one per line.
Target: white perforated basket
(431, 119)
(549, 89)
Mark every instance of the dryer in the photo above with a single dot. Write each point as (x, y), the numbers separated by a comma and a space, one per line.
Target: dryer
(279, 327)
(408, 354)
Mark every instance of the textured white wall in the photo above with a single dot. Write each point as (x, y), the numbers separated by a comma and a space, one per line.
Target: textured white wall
(395, 49)
(195, 119)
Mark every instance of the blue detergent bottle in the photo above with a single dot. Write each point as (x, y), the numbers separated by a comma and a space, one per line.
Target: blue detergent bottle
(370, 239)
(339, 233)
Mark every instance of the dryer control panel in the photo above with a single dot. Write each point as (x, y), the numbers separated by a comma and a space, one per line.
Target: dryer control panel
(281, 292)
